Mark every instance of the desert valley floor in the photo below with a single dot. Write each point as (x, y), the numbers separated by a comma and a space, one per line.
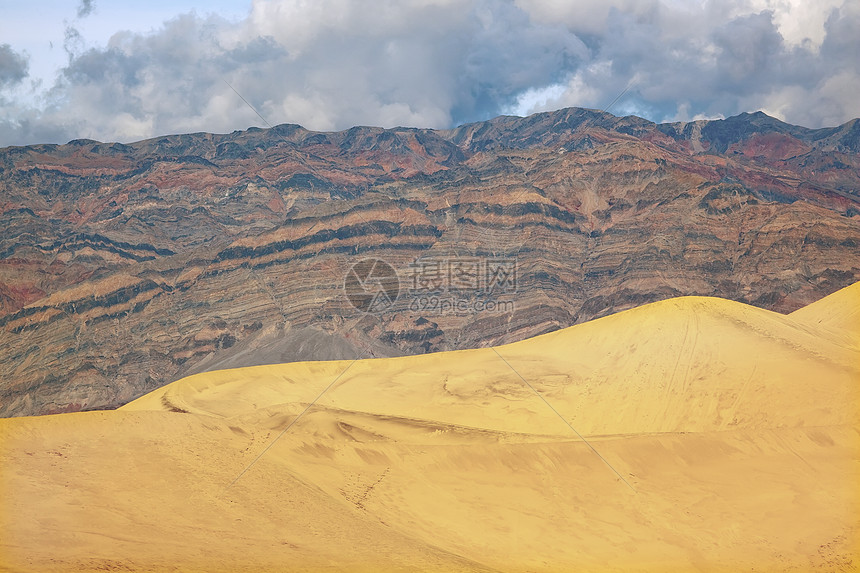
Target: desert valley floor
(692, 434)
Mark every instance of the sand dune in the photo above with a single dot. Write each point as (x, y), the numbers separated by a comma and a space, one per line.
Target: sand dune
(694, 434)
(836, 315)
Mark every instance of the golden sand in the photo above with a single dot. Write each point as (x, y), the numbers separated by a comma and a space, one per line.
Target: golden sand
(694, 434)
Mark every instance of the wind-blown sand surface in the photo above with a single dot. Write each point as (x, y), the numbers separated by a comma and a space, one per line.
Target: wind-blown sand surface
(693, 434)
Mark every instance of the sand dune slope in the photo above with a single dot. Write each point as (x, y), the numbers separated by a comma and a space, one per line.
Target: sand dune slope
(837, 314)
(694, 434)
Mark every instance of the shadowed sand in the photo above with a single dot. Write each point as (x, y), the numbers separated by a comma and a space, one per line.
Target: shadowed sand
(693, 434)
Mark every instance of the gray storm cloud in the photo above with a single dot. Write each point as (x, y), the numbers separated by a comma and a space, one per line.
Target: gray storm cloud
(332, 64)
(13, 66)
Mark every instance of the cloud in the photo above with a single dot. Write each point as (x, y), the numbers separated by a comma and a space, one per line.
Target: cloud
(713, 59)
(86, 8)
(332, 64)
(13, 66)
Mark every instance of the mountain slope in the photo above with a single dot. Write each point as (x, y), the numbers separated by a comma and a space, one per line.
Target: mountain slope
(709, 435)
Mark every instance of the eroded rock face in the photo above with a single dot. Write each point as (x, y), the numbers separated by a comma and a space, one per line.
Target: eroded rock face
(125, 267)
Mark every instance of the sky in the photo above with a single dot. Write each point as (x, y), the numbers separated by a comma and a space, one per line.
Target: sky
(127, 70)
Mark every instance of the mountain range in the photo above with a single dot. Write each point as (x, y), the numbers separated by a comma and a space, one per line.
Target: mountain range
(124, 267)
